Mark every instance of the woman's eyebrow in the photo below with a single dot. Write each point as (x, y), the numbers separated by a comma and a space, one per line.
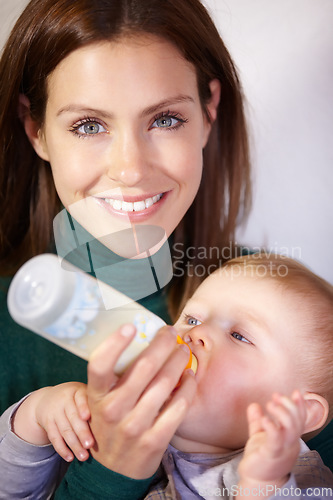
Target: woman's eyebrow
(82, 109)
(165, 103)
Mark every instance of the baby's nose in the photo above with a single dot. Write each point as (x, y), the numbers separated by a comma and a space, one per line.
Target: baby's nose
(199, 336)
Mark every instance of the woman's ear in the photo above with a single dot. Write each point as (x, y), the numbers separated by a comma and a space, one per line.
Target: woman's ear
(317, 409)
(32, 129)
(215, 90)
(212, 105)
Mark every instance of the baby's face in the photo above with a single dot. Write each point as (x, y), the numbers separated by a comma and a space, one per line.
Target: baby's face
(247, 335)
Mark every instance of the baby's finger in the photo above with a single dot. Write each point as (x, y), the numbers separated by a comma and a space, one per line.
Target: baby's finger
(300, 403)
(273, 436)
(71, 439)
(254, 418)
(284, 412)
(81, 429)
(58, 443)
(81, 401)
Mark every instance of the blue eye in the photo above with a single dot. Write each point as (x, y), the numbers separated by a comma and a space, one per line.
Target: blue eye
(91, 128)
(87, 127)
(165, 122)
(168, 121)
(240, 337)
(192, 321)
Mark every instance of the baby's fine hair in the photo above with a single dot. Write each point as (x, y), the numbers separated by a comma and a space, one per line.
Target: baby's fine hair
(312, 294)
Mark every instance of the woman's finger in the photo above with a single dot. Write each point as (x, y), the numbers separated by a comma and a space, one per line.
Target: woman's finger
(160, 389)
(130, 387)
(101, 376)
(150, 361)
(176, 408)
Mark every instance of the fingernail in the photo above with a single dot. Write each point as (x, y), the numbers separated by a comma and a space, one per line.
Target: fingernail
(173, 330)
(127, 330)
(190, 372)
(185, 348)
(82, 455)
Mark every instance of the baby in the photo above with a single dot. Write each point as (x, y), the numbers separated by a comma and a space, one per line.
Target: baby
(261, 328)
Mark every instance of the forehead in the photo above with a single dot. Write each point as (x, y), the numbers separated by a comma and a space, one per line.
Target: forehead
(141, 60)
(229, 291)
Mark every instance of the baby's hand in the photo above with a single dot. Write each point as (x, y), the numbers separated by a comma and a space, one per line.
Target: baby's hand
(57, 415)
(273, 445)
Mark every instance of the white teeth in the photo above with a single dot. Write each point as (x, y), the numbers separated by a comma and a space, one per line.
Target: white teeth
(139, 205)
(116, 203)
(127, 206)
(136, 206)
(149, 202)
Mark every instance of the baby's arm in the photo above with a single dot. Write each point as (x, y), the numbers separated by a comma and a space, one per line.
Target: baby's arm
(273, 445)
(57, 415)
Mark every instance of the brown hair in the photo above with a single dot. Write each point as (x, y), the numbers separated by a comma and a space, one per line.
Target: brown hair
(48, 31)
(315, 298)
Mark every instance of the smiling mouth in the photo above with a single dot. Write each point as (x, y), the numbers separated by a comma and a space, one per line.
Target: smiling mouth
(136, 206)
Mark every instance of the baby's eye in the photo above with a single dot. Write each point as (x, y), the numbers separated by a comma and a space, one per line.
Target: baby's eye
(240, 337)
(190, 320)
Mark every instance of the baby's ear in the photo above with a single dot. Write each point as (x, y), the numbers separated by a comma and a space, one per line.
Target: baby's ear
(317, 409)
(31, 128)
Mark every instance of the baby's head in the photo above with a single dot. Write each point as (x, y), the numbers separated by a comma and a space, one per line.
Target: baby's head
(260, 324)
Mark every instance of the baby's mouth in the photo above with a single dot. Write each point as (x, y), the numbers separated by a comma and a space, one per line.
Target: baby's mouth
(136, 206)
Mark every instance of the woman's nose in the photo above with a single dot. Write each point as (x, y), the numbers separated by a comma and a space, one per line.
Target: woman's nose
(127, 163)
(199, 336)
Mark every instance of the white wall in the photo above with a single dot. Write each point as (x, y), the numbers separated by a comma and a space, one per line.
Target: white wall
(9, 11)
(284, 51)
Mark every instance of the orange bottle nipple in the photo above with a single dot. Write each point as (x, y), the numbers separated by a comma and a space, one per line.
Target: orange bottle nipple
(192, 362)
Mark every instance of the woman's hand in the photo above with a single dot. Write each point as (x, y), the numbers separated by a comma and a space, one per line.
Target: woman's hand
(133, 417)
(57, 415)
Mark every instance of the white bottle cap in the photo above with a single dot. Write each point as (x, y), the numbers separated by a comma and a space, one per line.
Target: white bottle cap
(40, 291)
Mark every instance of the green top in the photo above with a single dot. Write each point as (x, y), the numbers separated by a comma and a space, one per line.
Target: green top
(91, 480)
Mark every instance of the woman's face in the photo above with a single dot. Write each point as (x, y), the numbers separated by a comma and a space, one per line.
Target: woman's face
(124, 132)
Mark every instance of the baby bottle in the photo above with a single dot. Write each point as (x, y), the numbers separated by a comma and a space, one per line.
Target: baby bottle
(65, 306)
